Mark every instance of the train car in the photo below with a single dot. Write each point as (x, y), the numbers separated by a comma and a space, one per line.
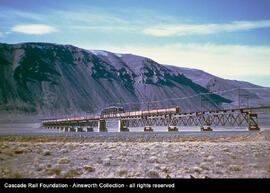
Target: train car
(174, 110)
(111, 111)
(132, 113)
(161, 111)
(97, 117)
(126, 114)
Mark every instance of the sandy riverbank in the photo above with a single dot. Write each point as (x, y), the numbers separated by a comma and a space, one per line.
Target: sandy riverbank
(245, 155)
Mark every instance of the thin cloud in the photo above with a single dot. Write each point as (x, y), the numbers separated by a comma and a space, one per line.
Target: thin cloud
(222, 60)
(205, 29)
(87, 17)
(27, 15)
(35, 29)
(105, 28)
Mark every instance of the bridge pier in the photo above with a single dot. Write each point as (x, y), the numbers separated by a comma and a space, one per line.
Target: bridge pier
(148, 129)
(72, 129)
(102, 126)
(121, 126)
(172, 129)
(253, 122)
(206, 128)
(79, 129)
(253, 128)
(89, 129)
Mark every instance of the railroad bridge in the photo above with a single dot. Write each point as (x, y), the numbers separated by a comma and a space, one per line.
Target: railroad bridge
(170, 118)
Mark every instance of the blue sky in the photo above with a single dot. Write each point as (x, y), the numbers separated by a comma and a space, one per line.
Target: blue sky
(229, 38)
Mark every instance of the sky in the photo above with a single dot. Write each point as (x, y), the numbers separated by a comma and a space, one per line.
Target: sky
(227, 38)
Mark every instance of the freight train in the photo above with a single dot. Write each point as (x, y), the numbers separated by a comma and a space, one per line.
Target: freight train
(118, 112)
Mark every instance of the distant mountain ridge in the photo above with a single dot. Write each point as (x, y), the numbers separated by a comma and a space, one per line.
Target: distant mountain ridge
(250, 94)
(54, 80)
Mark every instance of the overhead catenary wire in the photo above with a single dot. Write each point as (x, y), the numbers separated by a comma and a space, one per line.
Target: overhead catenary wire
(178, 98)
(189, 97)
(192, 96)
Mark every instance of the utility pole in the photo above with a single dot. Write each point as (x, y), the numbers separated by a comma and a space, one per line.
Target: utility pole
(208, 101)
(121, 103)
(200, 101)
(239, 97)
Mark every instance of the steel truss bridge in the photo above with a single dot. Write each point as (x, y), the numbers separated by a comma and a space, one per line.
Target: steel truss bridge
(239, 117)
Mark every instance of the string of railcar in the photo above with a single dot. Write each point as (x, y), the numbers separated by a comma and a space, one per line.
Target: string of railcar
(173, 110)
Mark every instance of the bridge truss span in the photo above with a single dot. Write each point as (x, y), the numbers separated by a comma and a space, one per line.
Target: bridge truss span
(232, 118)
(242, 117)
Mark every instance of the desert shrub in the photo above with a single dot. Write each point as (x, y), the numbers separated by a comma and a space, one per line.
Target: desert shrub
(47, 153)
(54, 171)
(64, 161)
(10, 173)
(123, 172)
(72, 173)
(18, 151)
(89, 168)
(153, 174)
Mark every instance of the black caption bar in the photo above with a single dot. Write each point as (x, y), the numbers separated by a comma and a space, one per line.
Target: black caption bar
(172, 185)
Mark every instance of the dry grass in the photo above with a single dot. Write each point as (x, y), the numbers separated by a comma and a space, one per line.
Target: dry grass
(8, 152)
(68, 157)
(10, 173)
(72, 173)
(54, 171)
(123, 173)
